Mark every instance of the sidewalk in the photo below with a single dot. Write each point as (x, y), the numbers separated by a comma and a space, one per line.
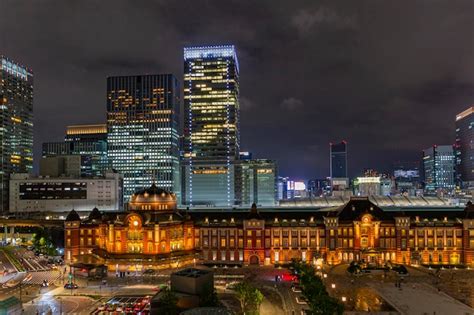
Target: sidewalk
(421, 299)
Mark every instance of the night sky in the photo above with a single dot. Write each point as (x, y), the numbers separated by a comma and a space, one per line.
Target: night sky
(387, 76)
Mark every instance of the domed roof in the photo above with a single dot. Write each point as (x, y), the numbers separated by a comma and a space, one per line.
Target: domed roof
(95, 215)
(152, 198)
(73, 216)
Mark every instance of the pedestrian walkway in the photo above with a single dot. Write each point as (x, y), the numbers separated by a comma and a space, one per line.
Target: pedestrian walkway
(421, 299)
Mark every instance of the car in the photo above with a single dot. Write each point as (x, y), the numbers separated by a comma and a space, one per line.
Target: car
(70, 286)
(45, 284)
(301, 300)
(101, 307)
(149, 272)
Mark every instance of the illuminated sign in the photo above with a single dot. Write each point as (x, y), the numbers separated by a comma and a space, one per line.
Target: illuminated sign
(207, 52)
(368, 180)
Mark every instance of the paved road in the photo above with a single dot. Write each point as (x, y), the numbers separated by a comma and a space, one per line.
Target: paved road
(60, 305)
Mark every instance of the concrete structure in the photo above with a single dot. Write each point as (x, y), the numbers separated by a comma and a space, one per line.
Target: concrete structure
(61, 194)
(11, 306)
(211, 129)
(16, 123)
(464, 147)
(192, 281)
(66, 165)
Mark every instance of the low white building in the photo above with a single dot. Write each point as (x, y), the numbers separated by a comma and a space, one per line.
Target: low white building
(61, 194)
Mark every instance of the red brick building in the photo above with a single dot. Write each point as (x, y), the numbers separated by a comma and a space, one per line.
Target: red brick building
(154, 234)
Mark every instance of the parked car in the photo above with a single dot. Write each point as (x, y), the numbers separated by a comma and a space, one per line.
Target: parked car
(70, 286)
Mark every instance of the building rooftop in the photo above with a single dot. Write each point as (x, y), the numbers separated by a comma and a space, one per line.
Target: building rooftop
(191, 273)
(381, 201)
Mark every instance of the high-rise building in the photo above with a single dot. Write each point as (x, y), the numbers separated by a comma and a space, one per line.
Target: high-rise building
(338, 159)
(16, 123)
(464, 147)
(256, 182)
(439, 168)
(407, 177)
(282, 188)
(143, 131)
(88, 141)
(211, 129)
(319, 187)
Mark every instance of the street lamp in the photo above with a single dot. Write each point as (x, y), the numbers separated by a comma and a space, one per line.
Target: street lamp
(325, 275)
(344, 299)
(333, 285)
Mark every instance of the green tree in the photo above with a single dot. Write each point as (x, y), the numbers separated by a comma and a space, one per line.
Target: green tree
(313, 288)
(168, 302)
(249, 297)
(208, 297)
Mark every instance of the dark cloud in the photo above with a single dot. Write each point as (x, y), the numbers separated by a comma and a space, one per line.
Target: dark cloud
(388, 77)
(292, 104)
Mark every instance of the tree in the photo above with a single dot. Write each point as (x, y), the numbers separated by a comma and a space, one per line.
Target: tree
(168, 302)
(208, 297)
(313, 288)
(249, 297)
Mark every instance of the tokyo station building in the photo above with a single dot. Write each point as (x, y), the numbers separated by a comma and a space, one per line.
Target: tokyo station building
(153, 233)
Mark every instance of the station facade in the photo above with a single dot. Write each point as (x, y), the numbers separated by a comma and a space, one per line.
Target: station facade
(153, 233)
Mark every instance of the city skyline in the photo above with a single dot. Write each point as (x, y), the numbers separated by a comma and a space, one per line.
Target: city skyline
(302, 116)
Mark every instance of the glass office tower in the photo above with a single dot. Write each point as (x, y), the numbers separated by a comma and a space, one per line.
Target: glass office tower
(256, 182)
(439, 167)
(211, 130)
(89, 141)
(16, 123)
(464, 147)
(143, 129)
(338, 159)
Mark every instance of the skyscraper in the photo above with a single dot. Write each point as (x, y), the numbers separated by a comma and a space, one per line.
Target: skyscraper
(89, 141)
(464, 147)
(256, 182)
(338, 159)
(438, 168)
(143, 131)
(211, 130)
(16, 123)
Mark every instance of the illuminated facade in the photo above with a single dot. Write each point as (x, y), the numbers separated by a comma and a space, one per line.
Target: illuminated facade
(16, 123)
(143, 129)
(464, 149)
(439, 168)
(152, 234)
(155, 235)
(211, 129)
